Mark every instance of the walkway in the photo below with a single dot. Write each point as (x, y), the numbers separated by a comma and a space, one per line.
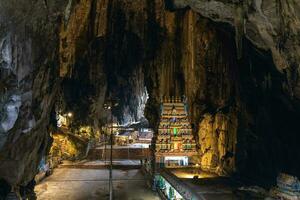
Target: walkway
(92, 184)
(119, 153)
(100, 164)
(130, 146)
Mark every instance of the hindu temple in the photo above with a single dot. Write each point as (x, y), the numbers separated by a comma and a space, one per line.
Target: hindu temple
(175, 143)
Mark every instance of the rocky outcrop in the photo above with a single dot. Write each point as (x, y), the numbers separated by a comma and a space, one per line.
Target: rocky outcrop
(217, 139)
(269, 25)
(28, 87)
(97, 41)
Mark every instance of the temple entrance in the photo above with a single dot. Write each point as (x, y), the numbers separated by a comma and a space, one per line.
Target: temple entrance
(175, 161)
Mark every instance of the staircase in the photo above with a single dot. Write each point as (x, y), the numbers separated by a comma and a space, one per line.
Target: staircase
(117, 154)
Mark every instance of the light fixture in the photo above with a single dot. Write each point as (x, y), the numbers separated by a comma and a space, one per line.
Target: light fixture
(70, 114)
(107, 106)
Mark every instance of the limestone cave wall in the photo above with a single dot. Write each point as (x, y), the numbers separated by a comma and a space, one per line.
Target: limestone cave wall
(98, 47)
(28, 87)
(236, 63)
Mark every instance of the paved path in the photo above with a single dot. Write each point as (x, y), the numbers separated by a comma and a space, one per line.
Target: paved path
(130, 146)
(90, 184)
(100, 164)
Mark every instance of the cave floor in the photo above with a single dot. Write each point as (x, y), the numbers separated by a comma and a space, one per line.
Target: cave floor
(213, 188)
(209, 186)
(83, 184)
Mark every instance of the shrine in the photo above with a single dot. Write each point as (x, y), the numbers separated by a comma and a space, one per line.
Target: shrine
(175, 143)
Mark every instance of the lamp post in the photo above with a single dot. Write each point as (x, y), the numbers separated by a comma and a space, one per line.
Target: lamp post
(108, 106)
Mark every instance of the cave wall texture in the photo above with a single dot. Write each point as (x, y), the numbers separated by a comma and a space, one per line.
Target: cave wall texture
(237, 62)
(28, 85)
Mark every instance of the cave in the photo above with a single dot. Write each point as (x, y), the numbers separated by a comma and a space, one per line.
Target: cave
(79, 78)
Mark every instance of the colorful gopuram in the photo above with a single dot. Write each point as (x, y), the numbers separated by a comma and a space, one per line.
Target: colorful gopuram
(175, 143)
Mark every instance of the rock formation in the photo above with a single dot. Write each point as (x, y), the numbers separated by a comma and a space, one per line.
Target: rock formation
(270, 25)
(28, 68)
(217, 139)
(236, 61)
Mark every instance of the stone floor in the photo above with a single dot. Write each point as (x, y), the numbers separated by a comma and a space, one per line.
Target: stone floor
(213, 188)
(99, 163)
(130, 146)
(221, 188)
(90, 184)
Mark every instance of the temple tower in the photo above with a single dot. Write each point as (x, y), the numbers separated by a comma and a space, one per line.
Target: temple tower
(175, 143)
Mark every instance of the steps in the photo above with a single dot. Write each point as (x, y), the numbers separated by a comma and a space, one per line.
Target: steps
(124, 153)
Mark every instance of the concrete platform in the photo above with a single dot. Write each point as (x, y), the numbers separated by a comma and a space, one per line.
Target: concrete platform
(119, 153)
(130, 146)
(101, 164)
(207, 187)
(92, 184)
(213, 188)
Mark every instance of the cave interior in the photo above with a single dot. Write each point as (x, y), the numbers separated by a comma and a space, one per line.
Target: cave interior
(240, 79)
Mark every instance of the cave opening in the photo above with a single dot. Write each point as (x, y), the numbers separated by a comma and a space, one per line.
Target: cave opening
(187, 96)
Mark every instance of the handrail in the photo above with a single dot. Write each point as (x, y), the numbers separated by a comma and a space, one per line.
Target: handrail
(181, 187)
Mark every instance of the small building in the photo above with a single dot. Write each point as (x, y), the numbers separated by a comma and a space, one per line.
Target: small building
(175, 143)
(145, 135)
(124, 138)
